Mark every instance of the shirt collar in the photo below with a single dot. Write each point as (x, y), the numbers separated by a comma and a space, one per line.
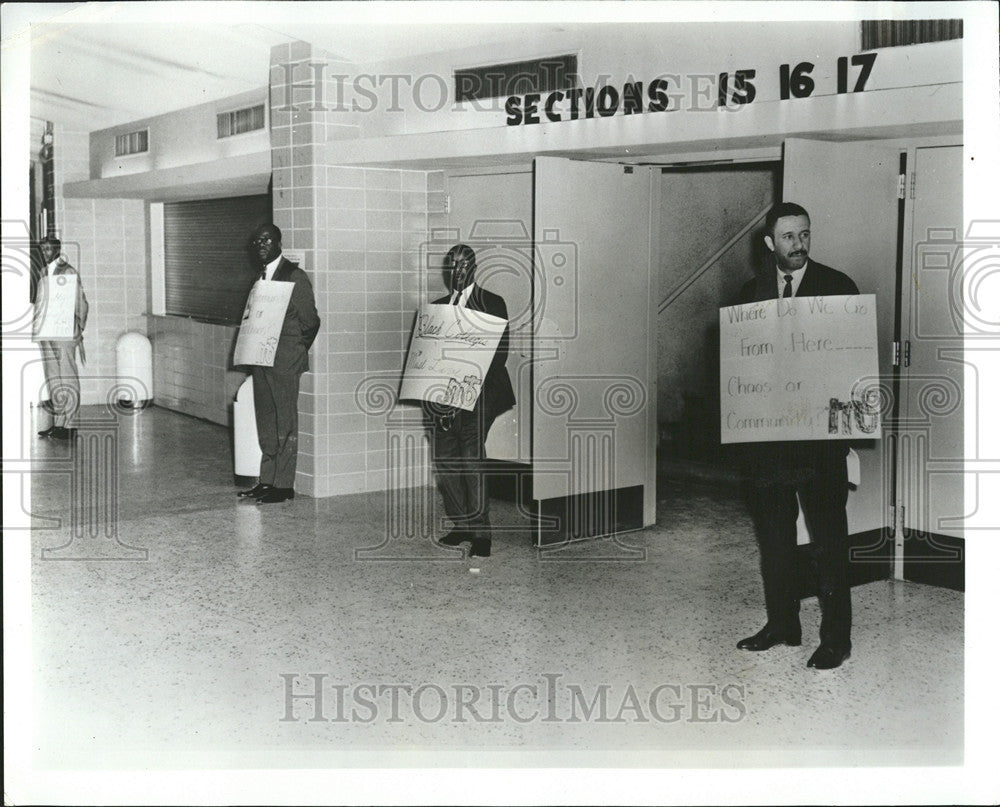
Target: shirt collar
(51, 265)
(464, 297)
(796, 277)
(272, 267)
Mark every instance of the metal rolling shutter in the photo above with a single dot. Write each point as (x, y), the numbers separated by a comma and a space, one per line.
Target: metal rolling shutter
(208, 268)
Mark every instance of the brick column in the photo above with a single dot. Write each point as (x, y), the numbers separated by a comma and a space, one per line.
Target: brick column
(360, 233)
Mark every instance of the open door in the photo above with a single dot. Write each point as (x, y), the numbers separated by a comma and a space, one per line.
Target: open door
(593, 422)
(851, 193)
(931, 434)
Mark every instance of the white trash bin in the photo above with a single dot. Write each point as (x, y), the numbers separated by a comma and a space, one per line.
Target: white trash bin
(246, 447)
(134, 355)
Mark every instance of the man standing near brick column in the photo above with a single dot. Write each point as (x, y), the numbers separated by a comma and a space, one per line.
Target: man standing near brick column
(59, 355)
(276, 388)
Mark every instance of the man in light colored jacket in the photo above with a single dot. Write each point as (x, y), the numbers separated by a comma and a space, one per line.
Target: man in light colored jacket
(59, 355)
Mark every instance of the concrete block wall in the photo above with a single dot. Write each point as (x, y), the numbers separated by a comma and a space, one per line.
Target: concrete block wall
(374, 231)
(192, 367)
(359, 234)
(106, 240)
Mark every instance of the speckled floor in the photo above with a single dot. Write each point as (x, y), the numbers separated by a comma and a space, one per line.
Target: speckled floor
(186, 644)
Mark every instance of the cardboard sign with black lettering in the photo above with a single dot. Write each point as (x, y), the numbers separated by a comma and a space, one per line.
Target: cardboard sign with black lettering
(263, 317)
(55, 308)
(450, 352)
(800, 368)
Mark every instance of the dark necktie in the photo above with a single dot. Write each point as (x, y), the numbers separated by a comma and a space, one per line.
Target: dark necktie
(787, 291)
(263, 273)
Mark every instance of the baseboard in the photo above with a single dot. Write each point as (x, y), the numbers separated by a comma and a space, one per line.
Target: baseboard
(937, 560)
(508, 481)
(588, 515)
(870, 559)
(567, 518)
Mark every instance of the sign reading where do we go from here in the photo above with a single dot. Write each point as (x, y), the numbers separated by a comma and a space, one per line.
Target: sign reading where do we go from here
(450, 352)
(260, 328)
(800, 368)
(55, 309)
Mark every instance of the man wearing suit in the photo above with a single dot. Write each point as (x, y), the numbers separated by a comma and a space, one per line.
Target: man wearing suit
(59, 356)
(815, 470)
(276, 388)
(459, 436)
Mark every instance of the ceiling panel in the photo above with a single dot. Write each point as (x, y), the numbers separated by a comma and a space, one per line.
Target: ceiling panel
(91, 72)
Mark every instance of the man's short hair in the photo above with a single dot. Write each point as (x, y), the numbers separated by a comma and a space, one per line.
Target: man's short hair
(779, 211)
(51, 240)
(273, 228)
(460, 252)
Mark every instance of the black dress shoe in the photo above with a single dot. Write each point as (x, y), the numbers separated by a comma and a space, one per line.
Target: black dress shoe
(767, 637)
(455, 537)
(480, 548)
(275, 495)
(256, 491)
(62, 433)
(828, 657)
(47, 432)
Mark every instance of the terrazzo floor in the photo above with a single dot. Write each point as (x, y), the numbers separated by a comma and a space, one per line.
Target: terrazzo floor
(188, 643)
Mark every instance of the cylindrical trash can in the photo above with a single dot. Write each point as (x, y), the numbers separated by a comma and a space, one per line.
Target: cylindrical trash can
(134, 355)
(246, 447)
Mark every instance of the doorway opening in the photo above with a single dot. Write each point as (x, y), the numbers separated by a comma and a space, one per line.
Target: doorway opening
(711, 220)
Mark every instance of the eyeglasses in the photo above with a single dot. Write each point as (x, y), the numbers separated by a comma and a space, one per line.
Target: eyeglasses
(262, 239)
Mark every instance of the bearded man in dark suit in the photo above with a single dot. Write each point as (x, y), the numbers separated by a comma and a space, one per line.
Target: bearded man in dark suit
(815, 470)
(459, 436)
(276, 388)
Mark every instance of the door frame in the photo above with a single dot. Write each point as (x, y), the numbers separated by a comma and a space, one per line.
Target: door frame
(904, 291)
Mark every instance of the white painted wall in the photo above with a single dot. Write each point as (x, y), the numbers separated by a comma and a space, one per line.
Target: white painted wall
(183, 137)
(411, 93)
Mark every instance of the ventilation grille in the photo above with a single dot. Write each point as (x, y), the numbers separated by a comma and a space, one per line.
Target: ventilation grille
(893, 33)
(516, 78)
(240, 121)
(132, 143)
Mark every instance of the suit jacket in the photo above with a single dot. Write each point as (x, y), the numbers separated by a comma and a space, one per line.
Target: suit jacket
(794, 460)
(301, 324)
(498, 393)
(82, 308)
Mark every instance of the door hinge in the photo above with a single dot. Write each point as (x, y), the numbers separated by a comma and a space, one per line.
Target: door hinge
(913, 185)
(901, 190)
(906, 353)
(895, 354)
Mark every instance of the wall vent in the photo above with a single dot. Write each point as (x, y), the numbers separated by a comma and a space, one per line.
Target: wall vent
(240, 121)
(893, 33)
(132, 143)
(516, 78)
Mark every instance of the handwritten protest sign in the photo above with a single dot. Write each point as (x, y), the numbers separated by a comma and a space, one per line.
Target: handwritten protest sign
(262, 320)
(55, 308)
(450, 352)
(800, 368)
